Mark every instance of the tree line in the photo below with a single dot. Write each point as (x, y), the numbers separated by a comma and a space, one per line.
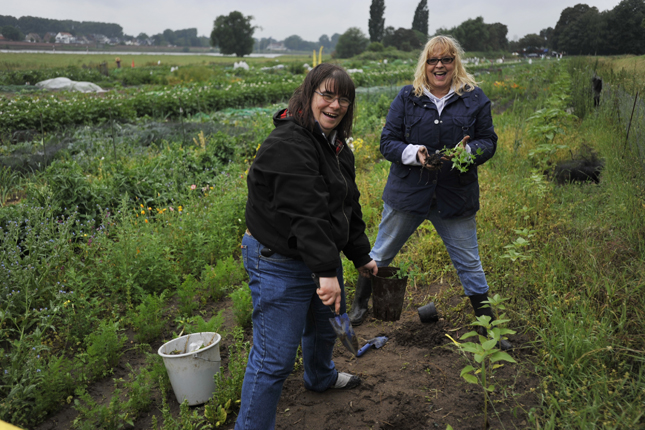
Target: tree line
(42, 26)
(584, 30)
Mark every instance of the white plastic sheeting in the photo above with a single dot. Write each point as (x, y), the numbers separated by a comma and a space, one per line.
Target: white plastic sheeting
(69, 85)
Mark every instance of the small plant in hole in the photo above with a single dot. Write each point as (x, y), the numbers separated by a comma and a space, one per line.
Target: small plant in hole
(485, 352)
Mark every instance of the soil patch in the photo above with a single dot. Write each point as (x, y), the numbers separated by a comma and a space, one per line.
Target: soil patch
(412, 382)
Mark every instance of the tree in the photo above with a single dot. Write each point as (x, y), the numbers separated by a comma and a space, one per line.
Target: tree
(376, 22)
(352, 42)
(11, 33)
(625, 26)
(402, 39)
(142, 36)
(334, 41)
(530, 42)
(233, 34)
(324, 41)
(421, 15)
(547, 33)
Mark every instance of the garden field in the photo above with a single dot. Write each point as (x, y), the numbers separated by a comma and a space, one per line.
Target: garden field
(121, 216)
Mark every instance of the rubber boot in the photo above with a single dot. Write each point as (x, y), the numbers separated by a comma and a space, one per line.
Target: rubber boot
(358, 312)
(476, 301)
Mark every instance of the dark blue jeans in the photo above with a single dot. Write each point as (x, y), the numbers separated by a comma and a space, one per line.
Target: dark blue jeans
(286, 312)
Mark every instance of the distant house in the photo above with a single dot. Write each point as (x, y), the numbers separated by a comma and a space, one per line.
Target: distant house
(33, 38)
(276, 47)
(49, 36)
(83, 40)
(1, 37)
(99, 38)
(64, 38)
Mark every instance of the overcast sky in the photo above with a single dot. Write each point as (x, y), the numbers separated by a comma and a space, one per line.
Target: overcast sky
(308, 19)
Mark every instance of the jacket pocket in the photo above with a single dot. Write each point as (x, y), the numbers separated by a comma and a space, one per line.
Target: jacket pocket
(463, 126)
(400, 170)
(411, 132)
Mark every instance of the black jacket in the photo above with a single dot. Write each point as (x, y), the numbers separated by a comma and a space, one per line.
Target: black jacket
(303, 199)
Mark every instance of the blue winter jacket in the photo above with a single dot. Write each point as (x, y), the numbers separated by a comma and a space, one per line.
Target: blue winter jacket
(415, 120)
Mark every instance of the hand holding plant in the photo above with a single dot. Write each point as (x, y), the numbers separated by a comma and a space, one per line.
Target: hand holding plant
(459, 155)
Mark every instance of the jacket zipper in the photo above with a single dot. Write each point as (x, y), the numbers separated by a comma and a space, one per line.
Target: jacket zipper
(346, 189)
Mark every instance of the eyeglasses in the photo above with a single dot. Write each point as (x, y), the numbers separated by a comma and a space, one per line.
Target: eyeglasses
(342, 101)
(444, 60)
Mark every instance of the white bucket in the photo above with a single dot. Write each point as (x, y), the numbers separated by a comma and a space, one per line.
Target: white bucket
(191, 373)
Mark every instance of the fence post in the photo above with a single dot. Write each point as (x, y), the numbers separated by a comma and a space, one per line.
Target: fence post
(630, 124)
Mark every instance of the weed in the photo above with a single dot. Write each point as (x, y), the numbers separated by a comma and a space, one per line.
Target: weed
(242, 305)
(187, 293)
(148, 319)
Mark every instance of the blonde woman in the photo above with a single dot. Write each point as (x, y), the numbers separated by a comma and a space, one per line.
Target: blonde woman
(442, 108)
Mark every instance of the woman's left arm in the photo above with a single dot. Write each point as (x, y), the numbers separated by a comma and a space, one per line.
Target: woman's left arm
(484, 138)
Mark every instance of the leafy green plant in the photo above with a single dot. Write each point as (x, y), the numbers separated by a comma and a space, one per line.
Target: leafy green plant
(242, 305)
(460, 157)
(516, 250)
(148, 320)
(104, 347)
(187, 293)
(91, 415)
(229, 387)
(220, 278)
(485, 352)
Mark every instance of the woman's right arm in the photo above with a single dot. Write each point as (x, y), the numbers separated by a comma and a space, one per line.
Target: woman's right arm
(393, 145)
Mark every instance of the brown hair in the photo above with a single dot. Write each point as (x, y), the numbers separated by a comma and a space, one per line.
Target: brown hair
(461, 79)
(340, 83)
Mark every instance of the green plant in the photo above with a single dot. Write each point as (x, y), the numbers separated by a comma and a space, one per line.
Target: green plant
(460, 157)
(104, 347)
(187, 293)
(91, 415)
(148, 319)
(242, 305)
(229, 387)
(485, 352)
(220, 278)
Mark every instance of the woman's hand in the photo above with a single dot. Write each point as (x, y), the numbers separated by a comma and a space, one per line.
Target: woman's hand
(422, 156)
(329, 292)
(369, 268)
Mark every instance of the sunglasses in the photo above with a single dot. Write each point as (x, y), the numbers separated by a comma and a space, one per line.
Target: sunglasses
(444, 60)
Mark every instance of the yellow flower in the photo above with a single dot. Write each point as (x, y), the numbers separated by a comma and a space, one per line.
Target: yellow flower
(142, 211)
(141, 205)
(146, 220)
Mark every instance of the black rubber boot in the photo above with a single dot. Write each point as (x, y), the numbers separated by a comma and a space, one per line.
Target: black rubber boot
(358, 312)
(476, 301)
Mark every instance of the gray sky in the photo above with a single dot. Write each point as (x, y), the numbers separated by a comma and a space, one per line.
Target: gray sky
(307, 19)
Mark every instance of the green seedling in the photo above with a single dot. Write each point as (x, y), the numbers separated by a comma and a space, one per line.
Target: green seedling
(485, 353)
(460, 157)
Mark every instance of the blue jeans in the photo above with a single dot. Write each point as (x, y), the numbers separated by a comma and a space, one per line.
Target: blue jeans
(286, 312)
(459, 235)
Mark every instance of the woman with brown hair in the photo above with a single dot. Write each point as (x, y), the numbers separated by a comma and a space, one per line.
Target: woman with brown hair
(302, 211)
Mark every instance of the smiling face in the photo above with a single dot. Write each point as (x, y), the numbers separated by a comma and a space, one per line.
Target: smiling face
(440, 75)
(328, 115)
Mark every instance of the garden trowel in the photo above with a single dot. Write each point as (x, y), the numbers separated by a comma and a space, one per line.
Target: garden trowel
(377, 342)
(342, 326)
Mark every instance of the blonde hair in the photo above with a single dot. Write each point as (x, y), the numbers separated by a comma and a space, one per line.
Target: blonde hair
(461, 79)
